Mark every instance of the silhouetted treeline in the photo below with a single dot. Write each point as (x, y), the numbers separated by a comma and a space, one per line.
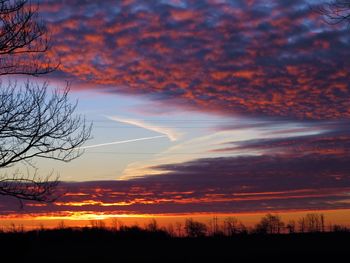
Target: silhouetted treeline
(188, 241)
(229, 226)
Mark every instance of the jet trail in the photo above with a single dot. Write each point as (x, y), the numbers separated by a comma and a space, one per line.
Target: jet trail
(121, 142)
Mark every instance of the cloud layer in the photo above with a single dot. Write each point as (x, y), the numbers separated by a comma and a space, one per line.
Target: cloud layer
(257, 58)
(311, 174)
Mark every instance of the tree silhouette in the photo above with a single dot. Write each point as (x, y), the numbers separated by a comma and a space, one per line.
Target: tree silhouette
(231, 226)
(291, 226)
(194, 228)
(152, 226)
(270, 224)
(36, 125)
(302, 225)
(314, 222)
(336, 12)
(33, 122)
(24, 40)
(178, 226)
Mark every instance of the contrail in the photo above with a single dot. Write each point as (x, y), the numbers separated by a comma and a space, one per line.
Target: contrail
(170, 133)
(120, 142)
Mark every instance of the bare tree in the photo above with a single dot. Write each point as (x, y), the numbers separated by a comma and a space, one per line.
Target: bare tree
(178, 226)
(336, 11)
(291, 226)
(270, 224)
(98, 224)
(61, 225)
(231, 226)
(170, 230)
(24, 40)
(339, 228)
(35, 123)
(302, 225)
(152, 225)
(322, 221)
(195, 228)
(116, 224)
(214, 227)
(312, 222)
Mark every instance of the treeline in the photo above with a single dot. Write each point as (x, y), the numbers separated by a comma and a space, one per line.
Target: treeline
(229, 226)
(219, 240)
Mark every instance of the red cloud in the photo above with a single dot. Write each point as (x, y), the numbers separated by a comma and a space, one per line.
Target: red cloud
(280, 61)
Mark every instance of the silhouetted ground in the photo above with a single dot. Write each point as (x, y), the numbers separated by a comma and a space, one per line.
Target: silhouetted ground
(99, 245)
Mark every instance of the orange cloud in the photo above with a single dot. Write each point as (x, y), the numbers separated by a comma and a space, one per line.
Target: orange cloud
(216, 57)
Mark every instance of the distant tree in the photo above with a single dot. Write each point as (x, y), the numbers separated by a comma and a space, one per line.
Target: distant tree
(339, 228)
(302, 225)
(195, 228)
(170, 230)
(270, 224)
(116, 224)
(291, 226)
(322, 219)
(24, 40)
(152, 226)
(41, 227)
(178, 227)
(61, 225)
(312, 222)
(242, 229)
(336, 11)
(98, 224)
(231, 226)
(214, 227)
(13, 228)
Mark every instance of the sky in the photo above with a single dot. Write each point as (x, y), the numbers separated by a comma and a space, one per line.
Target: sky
(200, 107)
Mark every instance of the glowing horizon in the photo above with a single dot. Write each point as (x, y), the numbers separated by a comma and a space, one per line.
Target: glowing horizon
(85, 219)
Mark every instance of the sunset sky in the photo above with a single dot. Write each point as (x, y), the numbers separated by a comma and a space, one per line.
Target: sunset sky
(200, 107)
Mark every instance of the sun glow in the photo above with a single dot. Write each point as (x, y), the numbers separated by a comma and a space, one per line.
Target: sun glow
(86, 218)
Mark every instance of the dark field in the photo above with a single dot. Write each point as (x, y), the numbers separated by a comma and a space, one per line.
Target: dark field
(134, 245)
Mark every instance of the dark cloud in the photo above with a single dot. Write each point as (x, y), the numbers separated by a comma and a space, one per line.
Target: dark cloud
(263, 173)
(270, 58)
(231, 184)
